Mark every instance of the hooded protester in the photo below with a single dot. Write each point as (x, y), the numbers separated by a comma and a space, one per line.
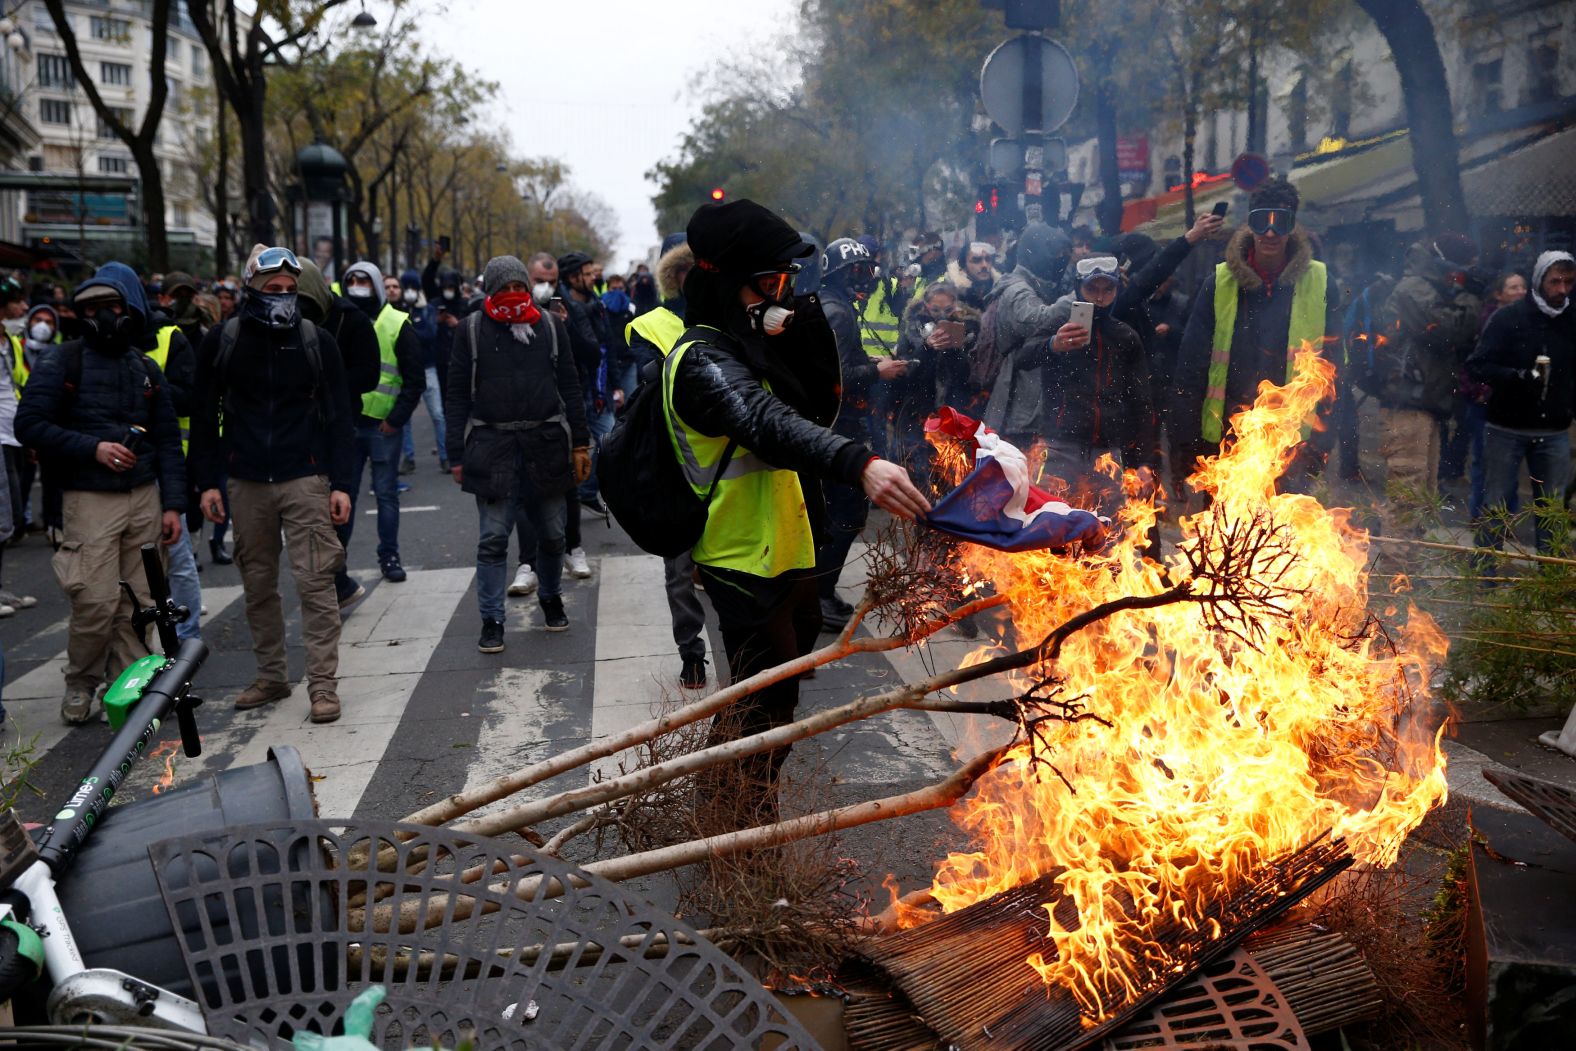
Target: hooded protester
(517, 437)
(1023, 323)
(1252, 315)
(286, 446)
(1430, 322)
(755, 381)
(1527, 355)
(384, 412)
(973, 274)
(99, 412)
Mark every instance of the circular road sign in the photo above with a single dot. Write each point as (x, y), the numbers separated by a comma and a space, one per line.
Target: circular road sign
(1002, 83)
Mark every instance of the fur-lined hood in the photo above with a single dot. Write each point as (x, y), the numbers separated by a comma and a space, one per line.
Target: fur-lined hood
(1299, 253)
(957, 276)
(679, 257)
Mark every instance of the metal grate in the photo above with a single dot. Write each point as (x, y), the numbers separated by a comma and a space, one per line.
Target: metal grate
(281, 925)
(1550, 803)
(1232, 1005)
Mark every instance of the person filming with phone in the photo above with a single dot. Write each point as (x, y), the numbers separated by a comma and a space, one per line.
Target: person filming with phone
(1097, 397)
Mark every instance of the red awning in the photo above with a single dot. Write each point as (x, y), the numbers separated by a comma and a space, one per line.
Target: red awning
(1145, 209)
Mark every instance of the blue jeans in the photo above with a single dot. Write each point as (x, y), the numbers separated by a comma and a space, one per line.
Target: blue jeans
(1548, 459)
(496, 520)
(601, 425)
(383, 450)
(1473, 420)
(432, 398)
(185, 588)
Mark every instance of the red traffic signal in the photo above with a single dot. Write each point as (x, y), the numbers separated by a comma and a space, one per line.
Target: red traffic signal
(718, 193)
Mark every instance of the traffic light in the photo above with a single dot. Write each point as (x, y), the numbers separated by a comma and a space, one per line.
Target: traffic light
(993, 210)
(718, 193)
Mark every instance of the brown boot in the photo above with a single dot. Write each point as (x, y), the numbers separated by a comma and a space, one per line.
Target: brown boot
(261, 693)
(325, 706)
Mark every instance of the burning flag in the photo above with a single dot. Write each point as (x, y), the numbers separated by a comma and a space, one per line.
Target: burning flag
(994, 505)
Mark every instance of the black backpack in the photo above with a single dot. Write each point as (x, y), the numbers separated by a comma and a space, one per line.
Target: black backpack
(642, 481)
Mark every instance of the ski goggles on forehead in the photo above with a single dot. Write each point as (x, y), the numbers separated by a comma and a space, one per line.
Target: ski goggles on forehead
(1097, 266)
(775, 285)
(1272, 220)
(272, 260)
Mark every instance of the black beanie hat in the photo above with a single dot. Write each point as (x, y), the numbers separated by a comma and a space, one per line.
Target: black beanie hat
(741, 237)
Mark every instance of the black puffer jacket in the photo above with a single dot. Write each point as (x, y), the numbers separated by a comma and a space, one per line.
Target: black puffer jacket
(514, 383)
(113, 392)
(282, 420)
(1099, 396)
(1504, 359)
(719, 393)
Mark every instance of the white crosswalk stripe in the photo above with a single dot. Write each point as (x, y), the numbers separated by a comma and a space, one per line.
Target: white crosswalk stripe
(511, 710)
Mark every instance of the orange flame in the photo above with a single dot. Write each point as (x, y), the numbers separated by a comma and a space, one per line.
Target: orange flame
(165, 750)
(1220, 755)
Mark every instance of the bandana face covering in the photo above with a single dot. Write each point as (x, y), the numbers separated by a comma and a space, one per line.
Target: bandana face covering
(512, 308)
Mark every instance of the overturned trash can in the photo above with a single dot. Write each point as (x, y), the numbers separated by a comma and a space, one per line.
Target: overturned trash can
(110, 892)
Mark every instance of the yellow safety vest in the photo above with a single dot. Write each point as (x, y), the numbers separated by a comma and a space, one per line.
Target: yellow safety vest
(1307, 326)
(662, 327)
(161, 356)
(878, 326)
(758, 523)
(19, 369)
(379, 402)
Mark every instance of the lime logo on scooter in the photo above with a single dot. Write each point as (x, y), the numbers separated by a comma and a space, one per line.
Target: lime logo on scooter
(81, 796)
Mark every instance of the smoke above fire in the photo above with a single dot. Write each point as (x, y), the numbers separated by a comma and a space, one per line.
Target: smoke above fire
(1224, 741)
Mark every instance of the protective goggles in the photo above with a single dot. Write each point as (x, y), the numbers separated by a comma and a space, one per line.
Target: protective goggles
(1272, 220)
(273, 260)
(981, 252)
(776, 286)
(917, 250)
(1091, 267)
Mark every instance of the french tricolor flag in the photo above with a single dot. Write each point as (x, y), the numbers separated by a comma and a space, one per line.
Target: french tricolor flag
(995, 505)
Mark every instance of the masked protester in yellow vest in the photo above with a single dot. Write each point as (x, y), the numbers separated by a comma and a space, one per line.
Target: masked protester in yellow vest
(755, 380)
(384, 412)
(1250, 317)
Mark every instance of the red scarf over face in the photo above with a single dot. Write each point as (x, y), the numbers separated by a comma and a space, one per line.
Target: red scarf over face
(512, 308)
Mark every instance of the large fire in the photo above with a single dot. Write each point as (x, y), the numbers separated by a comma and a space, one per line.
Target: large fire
(1224, 750)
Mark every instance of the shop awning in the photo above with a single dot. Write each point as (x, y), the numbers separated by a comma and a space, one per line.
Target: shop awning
(1531, 180)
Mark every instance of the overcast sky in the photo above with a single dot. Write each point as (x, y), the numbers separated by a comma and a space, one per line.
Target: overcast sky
(606, 85)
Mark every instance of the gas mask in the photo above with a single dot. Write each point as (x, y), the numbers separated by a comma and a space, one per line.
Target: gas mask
(41, 332)
(276, 310)
(104, 328)
(769, 320)
(543, 292)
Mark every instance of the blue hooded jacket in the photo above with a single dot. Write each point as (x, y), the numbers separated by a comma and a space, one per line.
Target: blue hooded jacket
(80, 396)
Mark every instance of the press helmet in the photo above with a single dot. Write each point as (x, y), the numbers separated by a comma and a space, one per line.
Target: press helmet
(845, 253)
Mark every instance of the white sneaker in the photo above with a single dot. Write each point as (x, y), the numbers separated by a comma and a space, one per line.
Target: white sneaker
(7, 611)
(15, 601)
(524, 582)
(575, 562)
